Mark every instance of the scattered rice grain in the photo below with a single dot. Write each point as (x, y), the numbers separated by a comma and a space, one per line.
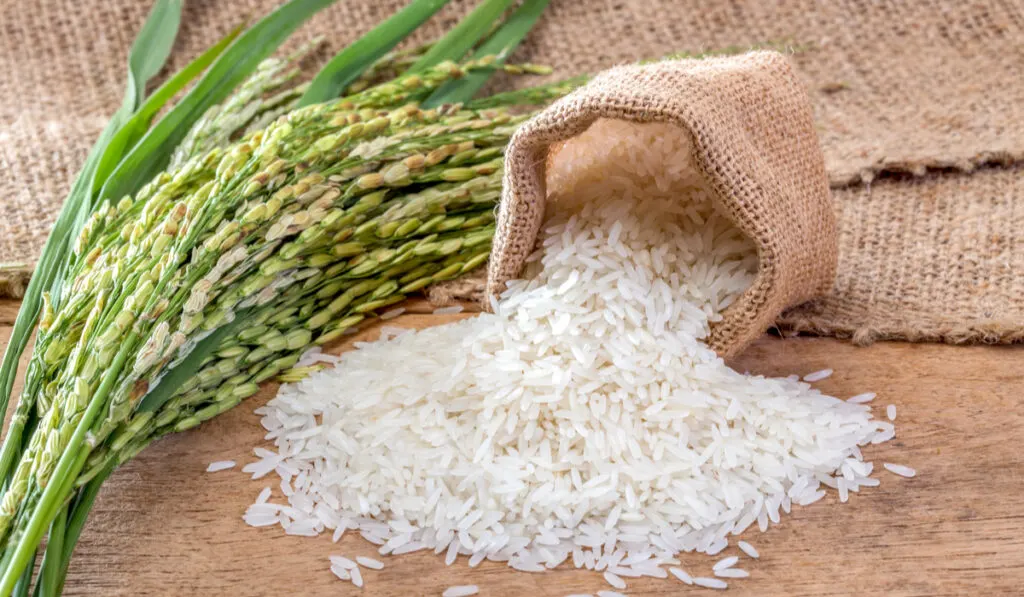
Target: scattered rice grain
(614, 580)
(748, 549)
(220, 465)
(818, 375)
(899, 469)
(710, 583)
(452, 310)
(369, 563)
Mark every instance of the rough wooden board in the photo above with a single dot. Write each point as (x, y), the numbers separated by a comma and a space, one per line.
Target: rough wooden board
(163, 526)
(8, 311)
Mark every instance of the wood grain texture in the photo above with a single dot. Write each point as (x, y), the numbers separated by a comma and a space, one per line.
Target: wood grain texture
(162, 526)
(8, 311)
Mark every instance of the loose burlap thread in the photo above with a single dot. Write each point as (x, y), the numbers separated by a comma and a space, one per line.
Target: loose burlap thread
(754, 144)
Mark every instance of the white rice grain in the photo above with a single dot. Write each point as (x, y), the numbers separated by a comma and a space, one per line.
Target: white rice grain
(369, 563)
(461, 591)
(614, 580)
(724, 563)
(818, 375)
(710, 583)
(343, 562)
(220, 465)
(899, 469)
(681, 575)
(748, 549)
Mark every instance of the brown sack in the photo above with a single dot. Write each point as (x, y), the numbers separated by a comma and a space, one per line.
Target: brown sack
(754, 141)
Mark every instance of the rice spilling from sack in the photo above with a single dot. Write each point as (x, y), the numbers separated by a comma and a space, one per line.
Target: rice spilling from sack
(584, 420)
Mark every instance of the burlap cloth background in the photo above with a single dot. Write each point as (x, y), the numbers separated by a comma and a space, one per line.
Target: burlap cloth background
(895, 87)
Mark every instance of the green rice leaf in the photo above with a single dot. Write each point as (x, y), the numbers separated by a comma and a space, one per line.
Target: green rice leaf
(179, 374)
(461, 39)
(136, 126)
(500, 44)
(154, 151)
(151, 49)
(348, 64)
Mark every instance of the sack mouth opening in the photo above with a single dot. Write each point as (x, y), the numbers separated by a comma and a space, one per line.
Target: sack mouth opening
(580, 159)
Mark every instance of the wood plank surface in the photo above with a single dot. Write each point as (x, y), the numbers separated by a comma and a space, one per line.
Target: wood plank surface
(163, 526)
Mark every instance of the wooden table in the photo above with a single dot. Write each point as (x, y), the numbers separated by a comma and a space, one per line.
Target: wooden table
(163, 526)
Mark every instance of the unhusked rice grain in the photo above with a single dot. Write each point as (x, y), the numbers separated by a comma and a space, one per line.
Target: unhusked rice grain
(583, 420)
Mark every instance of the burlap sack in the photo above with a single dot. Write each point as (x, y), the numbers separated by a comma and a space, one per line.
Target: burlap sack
(754, 143)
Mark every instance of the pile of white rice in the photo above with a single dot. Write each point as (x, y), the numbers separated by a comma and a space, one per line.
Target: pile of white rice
(584, 420)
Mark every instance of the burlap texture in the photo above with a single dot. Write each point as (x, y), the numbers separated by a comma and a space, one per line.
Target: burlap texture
(753, 142)
(894, 86)
(964, 284)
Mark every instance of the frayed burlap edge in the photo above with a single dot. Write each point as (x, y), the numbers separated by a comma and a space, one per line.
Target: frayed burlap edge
(840, 178)
(939, 330)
